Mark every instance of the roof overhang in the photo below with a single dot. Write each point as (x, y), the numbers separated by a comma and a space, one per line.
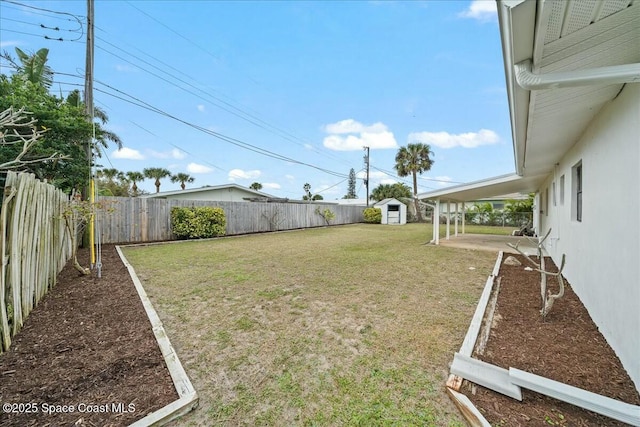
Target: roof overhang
(492, 187)
(564, 60)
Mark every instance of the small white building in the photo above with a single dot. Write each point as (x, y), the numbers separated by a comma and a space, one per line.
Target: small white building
(393, 211)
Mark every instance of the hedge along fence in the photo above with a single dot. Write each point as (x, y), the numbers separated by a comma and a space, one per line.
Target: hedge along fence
(35, 247)
(137, 219)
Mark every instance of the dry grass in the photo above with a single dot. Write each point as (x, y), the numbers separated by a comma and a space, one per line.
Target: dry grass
(351, 325)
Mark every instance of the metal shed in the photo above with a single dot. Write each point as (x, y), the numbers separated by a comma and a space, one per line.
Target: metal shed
(393, 211)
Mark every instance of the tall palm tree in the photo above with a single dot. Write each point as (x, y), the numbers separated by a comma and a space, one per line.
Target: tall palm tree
(412, 160)
(256, 186)
(134, 177)
(157, 174)
(182, 178)
(34, 67)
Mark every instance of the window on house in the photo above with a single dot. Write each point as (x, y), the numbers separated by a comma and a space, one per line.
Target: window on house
(576, 192)
(546, 201)
(562, 190)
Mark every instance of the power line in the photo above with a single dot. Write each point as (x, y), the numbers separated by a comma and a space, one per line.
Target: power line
(239, 143)
(216, 101)
(53, 14)
(283, 133)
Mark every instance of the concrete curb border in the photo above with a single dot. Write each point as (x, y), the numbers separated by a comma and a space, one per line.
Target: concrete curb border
(188, 398)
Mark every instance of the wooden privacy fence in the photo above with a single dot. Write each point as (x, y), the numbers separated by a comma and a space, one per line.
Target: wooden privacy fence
(136, 219)
(35, 247)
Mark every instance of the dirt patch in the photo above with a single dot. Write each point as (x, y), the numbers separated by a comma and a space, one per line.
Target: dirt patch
(87, 345)
(566, 347)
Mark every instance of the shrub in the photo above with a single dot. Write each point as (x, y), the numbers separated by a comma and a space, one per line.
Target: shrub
(372, 215)
(198, 222)
(327, 214)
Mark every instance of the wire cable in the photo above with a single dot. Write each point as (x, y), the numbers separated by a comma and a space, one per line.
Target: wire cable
(239, 143)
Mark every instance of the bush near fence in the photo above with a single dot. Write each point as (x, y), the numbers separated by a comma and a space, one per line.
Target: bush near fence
(499, 219)
(35, 246)
(137, 219)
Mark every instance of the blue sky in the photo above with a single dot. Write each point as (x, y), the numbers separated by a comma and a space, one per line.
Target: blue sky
(308, 83)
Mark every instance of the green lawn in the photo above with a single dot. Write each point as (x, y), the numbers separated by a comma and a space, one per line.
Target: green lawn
(349, 325)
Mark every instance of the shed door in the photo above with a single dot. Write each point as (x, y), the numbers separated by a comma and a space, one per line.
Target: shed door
(393, 214)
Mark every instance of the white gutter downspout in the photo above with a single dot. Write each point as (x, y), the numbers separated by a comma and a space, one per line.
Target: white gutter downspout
(616, 74)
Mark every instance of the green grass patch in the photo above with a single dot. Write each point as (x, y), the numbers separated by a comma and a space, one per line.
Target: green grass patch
(349, 325)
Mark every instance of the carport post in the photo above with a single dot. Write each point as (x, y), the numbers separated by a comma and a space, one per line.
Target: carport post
(448, 218)
(456, 221)
(436, 223)
(463, 215)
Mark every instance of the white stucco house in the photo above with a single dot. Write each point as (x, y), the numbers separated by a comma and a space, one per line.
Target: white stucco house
(217, 193)
(573, 84)
(393, 211)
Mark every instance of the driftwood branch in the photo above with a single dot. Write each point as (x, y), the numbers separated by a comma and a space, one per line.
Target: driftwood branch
(16, 128)
(547, 298)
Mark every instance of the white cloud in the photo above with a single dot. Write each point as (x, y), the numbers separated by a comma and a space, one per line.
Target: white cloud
(240, 174)
(8, 43)
(482, 10)
(448, 140)
(352, 126)
(290, 177)
(271, 185)
(173, 154)
(308, 146)
(200, 107)
(197, 168)
(375, 136)
(127, 153)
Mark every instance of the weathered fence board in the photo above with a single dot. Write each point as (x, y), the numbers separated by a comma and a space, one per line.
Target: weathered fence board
(134, 219)
(35, 247)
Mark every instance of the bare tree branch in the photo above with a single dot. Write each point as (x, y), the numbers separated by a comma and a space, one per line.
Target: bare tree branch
(17, 128)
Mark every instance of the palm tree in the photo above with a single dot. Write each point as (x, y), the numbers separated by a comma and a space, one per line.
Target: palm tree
(182, 178)
(134, 177)
(256, 186)
(102, 135)
(157, 174)
(34, 67)
(412, 160)
(110, 174)
(398, 191)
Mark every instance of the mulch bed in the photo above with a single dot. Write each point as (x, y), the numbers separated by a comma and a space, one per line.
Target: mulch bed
(566, 347)
(88, 345)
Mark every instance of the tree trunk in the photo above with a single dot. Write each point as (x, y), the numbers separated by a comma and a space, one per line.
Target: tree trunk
(415, 198)
(157, 185)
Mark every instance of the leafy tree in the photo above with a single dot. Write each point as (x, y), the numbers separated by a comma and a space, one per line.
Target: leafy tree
(351, 186)
(64, 129)
(182, 178)
(386, 191)
(134, 178)
(157, 174)
(63, 125)
(112, 182)
(103, 136)
(412, 160)
(256, 186)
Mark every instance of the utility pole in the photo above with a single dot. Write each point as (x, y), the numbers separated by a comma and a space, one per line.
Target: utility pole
(88, 92)
(366, 180)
